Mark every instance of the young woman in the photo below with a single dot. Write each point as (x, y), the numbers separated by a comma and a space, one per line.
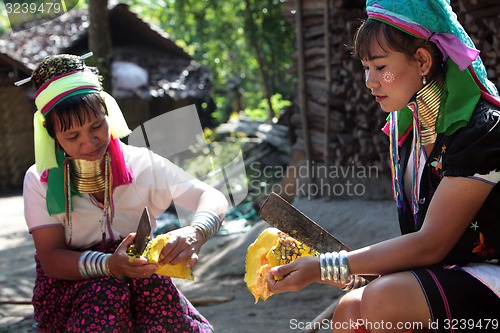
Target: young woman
(444, 124)
(83, 201)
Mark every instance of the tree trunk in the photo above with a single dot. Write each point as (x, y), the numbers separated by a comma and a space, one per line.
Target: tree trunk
(100, 39)
(260, 59)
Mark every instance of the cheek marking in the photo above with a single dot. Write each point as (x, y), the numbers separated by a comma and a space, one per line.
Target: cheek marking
(388, 77)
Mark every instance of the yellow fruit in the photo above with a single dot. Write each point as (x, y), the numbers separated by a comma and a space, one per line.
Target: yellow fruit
(152, 253)
(271, 248)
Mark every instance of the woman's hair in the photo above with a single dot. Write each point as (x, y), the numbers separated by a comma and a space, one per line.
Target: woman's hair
(396, 40)
(74, 110)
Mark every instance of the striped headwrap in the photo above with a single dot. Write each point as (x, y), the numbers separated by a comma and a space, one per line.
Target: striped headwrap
(58, 78)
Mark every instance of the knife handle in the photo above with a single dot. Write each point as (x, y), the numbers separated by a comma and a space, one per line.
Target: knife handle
(131, 250)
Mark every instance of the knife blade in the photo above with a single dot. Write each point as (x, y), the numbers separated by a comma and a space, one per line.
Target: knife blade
(143, 234)
(282, 215)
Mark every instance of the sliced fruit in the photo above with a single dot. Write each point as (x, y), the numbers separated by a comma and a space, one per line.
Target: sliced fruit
(271, 248)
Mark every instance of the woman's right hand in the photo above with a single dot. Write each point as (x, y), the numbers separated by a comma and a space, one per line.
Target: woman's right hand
(294, 276)
(120, 263)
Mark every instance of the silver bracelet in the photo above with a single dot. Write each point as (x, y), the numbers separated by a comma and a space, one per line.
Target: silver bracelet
(344, 267)
(88, 265)
(334, 266)
(91, 264)
(336, 270)
(94, 264)
(81, 264)
(97, 263)
(329, 265)
(105, 265)
(322, 266)
(207, 222)
(101, 265)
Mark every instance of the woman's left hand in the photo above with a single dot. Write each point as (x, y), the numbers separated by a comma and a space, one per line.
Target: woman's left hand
(183, 244)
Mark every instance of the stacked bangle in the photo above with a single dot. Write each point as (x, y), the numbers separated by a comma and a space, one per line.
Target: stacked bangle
(322, 266)
(334, 267)
(93, 264)
(344, 268)
(207, 222)
(329, 264)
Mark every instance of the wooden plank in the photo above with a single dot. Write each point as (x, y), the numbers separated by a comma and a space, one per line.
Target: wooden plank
(328, 84)
(302, 83)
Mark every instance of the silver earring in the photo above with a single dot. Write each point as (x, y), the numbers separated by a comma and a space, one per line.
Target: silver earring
(424, 79)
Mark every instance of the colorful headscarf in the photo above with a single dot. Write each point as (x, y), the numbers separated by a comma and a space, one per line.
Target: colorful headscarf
(48, 157)
(465, 79)
(434, 20)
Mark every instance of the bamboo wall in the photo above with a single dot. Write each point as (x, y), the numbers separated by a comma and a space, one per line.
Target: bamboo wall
(16, 135)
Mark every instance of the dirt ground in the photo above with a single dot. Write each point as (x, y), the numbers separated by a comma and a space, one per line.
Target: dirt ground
(218, 290)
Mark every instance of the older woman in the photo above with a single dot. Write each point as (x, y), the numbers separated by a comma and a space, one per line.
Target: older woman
(83, 202)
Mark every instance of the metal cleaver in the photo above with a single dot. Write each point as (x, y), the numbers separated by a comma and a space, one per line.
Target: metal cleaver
(143, 234)
(282, 215)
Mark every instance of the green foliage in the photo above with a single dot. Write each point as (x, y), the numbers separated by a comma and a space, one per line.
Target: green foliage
(4, 20)
(260, 113)
(216, 33)
(205, 163)
(23, 11)
(219, 35)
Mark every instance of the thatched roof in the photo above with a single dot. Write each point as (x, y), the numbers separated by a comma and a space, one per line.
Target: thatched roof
(172, 72)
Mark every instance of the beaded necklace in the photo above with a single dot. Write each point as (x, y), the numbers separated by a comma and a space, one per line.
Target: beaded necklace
(425, 108)
(397, 180)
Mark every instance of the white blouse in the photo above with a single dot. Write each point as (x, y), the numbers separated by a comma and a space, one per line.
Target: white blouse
(157, 183)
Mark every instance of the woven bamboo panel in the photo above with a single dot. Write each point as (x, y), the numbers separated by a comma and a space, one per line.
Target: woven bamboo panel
(16, 136)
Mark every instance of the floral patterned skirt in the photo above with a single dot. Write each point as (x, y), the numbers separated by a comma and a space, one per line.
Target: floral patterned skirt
(113, 304)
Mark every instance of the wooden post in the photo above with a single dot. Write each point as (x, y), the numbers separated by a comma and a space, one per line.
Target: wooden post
(328, 87)
(99, 37)
(260, 60)
(302, 84)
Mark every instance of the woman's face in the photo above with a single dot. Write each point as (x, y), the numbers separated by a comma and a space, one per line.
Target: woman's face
(391, 77)
(88, 141)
